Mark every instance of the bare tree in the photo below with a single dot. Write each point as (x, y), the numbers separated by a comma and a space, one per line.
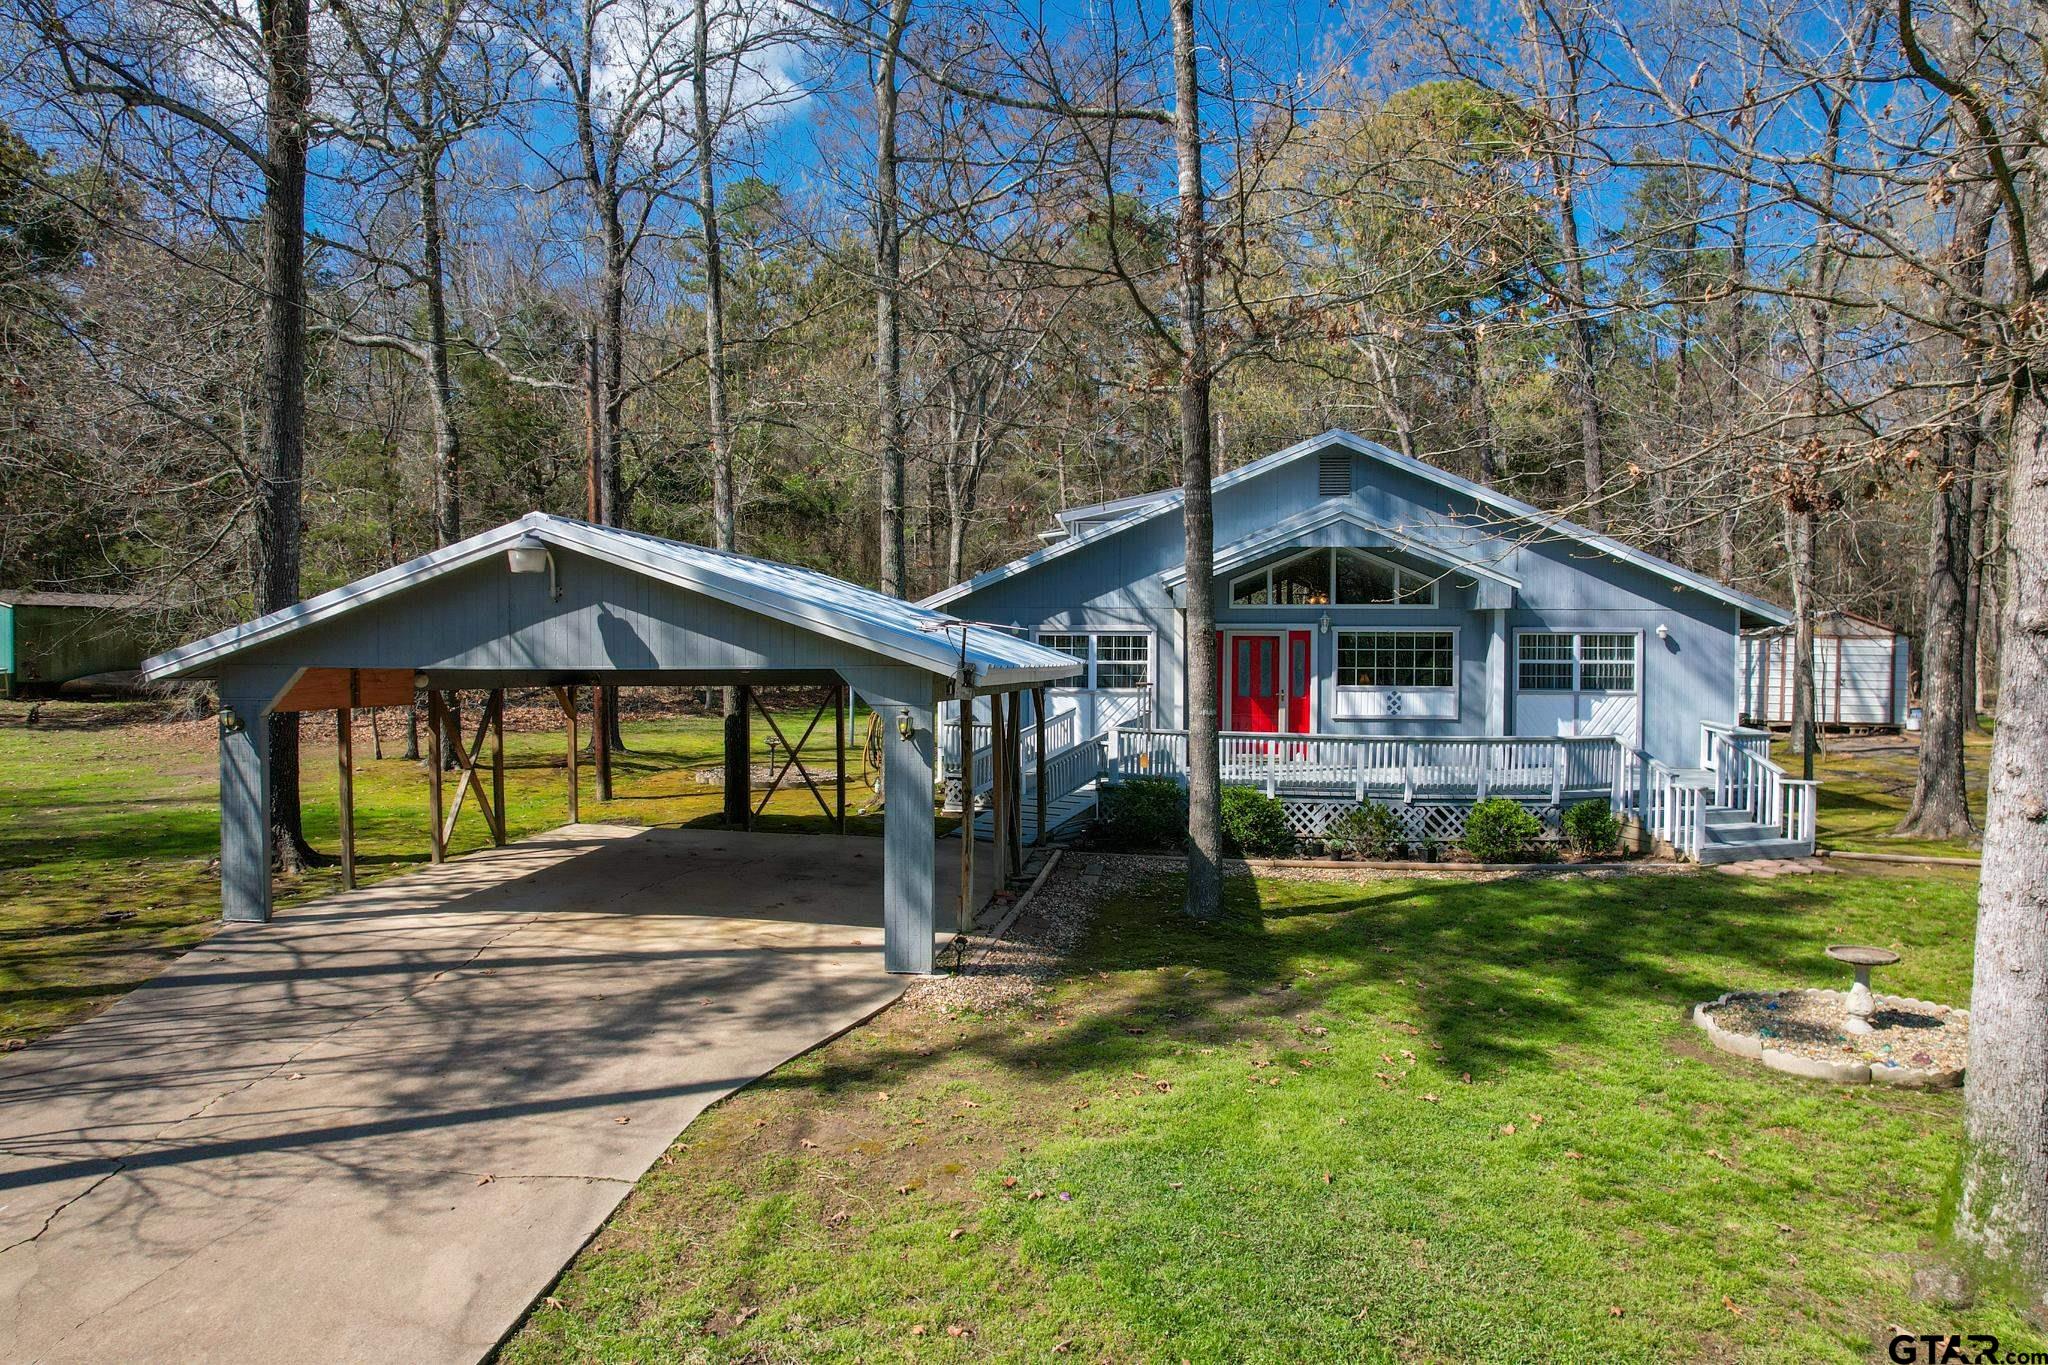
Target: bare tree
(420, 76)
(183, 86)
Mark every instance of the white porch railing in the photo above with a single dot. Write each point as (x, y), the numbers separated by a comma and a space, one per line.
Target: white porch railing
(1067, 771)
(1754, 742)
(1062, 732)
(1746, 779)
(1411, 769)
(1675, 805)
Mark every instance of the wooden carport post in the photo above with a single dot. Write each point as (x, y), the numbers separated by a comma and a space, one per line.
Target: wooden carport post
(435, 724)
(839, 755)
(998, 791)
(1015, 829)
(345, 772)
(601, 719)
(739, 793)
(966, 910)
(497, 705)
(1038, 724)
(565, 697)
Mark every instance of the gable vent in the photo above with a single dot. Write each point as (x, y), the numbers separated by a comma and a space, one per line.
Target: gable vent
(1333, 474)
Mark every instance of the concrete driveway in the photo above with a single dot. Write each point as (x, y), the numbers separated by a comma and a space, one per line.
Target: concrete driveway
(378, 1126)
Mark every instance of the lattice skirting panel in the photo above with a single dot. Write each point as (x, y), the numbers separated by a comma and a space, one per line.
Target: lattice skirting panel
(1309, 817)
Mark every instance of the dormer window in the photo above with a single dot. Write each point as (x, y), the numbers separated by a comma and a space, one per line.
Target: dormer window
(1343, 577)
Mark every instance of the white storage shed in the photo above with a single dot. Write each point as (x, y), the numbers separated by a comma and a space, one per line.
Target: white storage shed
(1860, 673)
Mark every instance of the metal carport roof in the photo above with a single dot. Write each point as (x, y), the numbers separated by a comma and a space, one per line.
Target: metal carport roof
(615, 608)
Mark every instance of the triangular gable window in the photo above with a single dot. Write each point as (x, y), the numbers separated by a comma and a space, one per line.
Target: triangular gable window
(1343, 577)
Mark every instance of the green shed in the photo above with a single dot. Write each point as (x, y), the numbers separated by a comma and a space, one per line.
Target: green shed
(49, 638)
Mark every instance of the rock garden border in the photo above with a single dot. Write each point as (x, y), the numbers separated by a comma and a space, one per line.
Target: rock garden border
(1845, 1071)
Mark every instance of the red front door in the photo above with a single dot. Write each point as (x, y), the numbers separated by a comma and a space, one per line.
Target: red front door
(1300, 682)
(1256, 683)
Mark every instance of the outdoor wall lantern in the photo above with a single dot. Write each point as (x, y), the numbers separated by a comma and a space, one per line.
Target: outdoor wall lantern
(1323, 623)
(1663, 631)
(904, 726)
(530, 554)
(230, 721)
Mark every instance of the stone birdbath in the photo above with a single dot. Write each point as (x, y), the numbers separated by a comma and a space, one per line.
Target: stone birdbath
(1861, 1004)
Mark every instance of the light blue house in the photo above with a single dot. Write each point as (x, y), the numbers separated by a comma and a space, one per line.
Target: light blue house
(1430, 640)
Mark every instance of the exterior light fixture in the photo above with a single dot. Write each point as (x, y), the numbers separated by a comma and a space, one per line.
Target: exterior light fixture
(904, 726)
(230, 721)
(1323, 623)
(1663, 631)
(530, 554)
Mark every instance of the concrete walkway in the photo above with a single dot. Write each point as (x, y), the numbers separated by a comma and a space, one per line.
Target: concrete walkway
(377, 1127)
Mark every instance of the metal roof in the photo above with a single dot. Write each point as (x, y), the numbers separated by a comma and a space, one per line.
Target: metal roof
(901, 631)
(1168, 500)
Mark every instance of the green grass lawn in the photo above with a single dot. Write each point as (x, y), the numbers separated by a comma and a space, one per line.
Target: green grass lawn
(1864, 795)
(1392, 1120)
(108, 831)
(1386, 1120)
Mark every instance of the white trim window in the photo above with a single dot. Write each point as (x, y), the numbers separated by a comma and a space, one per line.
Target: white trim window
(1115, 660)
(1340, 577)
(1592, 661)
(1397, 674)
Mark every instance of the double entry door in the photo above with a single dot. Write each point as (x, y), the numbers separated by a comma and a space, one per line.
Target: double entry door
(1266, 680)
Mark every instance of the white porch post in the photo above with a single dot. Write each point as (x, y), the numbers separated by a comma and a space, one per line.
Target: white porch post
(1497, 641)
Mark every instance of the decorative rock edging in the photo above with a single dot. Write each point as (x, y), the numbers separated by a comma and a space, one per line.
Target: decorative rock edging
(1820, 1069)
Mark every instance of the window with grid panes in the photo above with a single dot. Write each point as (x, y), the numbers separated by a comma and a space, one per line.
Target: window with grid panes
(1406, 659)
(1607, 663)
(1545, 663)
(1123, 661)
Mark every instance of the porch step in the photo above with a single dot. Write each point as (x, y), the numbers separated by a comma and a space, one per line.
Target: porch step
(1738, 831)
(1723, 817)
(1752, 851)
(1058, 814)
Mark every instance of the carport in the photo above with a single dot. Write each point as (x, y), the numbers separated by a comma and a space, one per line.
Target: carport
(551, 602)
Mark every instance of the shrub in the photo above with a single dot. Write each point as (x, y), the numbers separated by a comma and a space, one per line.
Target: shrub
(1370, 831)
(1499, 830)
(1590, 828)
(1254, 824)
(1144, 813)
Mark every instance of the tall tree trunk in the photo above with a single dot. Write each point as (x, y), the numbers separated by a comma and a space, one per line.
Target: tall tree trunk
(1731, 389)
(724, 502)
(1976, 563)
(888, 246)
(724, 498)
(1799, 527)
(1475, 396)
(1940, 808)
(611, 376)
(2002, 1210)
(286, 26)
(1205, 818)
(440, 384)
(1585, 389)
(611, 487)
(1996, 576)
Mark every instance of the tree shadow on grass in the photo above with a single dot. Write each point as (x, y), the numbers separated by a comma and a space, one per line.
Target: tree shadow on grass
(1498, 976)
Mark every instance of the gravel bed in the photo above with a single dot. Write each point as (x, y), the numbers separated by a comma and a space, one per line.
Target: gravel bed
(1904, 1033)
(1032, 951)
